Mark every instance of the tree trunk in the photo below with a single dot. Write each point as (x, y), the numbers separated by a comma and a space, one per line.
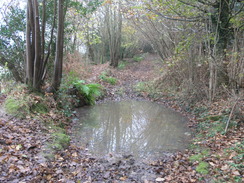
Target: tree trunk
(58, 65)
(29, 44)
(33, 47)
(223, 34)
(114, 26)
(37, 60)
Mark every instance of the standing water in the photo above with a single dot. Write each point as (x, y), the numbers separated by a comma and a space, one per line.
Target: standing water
(140, 128)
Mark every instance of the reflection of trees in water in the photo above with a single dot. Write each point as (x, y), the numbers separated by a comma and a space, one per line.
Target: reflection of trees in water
(133, 127)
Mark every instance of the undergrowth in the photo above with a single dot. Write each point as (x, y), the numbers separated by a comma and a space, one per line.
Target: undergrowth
(122, 65)
(108, 79)
(75, 93)
(139, 57)
(21, 103)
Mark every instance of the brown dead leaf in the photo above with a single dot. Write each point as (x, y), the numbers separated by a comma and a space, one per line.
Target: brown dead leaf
(237, 173)
(123, 178)
(233, 154)
(75, 154)
(224, 167)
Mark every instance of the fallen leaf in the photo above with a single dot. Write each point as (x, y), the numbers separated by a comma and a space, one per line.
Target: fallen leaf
(211, 163)
(18, 147)
(123, 178)
(159, 179)
(49, 177)
(75, 154)
(236, 173)
(225, 167)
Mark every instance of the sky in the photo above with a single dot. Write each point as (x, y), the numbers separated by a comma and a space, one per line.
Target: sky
(4, 4)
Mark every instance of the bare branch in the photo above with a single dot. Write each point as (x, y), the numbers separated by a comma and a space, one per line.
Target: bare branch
(192, 5)
(195, 19)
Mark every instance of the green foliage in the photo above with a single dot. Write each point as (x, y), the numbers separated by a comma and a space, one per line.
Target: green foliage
(109, 79)
(89, 91)
(12, 44)
(138, 58)
(85, 7)
(202, 168)
(122, 65)
(238, 148)
(196, 157)
(212, 124)
(199, 156)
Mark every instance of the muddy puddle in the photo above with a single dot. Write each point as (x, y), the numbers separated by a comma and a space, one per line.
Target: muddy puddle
(139, 128)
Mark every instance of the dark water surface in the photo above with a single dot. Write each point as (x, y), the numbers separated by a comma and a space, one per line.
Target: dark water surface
(140, 128)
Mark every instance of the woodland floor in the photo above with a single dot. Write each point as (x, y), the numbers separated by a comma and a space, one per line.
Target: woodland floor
(23, 144)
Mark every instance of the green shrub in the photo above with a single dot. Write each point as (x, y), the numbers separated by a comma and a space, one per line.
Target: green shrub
(89, 91)
(108, 79)
(74, 91)
(138, 58)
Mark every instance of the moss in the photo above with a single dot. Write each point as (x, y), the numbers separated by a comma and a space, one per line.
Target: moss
(215, 117)
(202, 168)
(60, 140)
(17, 107)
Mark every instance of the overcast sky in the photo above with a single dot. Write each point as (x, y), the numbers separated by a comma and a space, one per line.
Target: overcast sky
(6, 3)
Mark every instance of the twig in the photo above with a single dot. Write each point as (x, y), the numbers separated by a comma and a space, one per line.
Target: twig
(232, 110)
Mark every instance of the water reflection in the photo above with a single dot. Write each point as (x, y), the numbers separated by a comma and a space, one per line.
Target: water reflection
(132, 127)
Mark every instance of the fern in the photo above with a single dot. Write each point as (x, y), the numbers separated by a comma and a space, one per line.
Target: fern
(89, 91)
(84, 89)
